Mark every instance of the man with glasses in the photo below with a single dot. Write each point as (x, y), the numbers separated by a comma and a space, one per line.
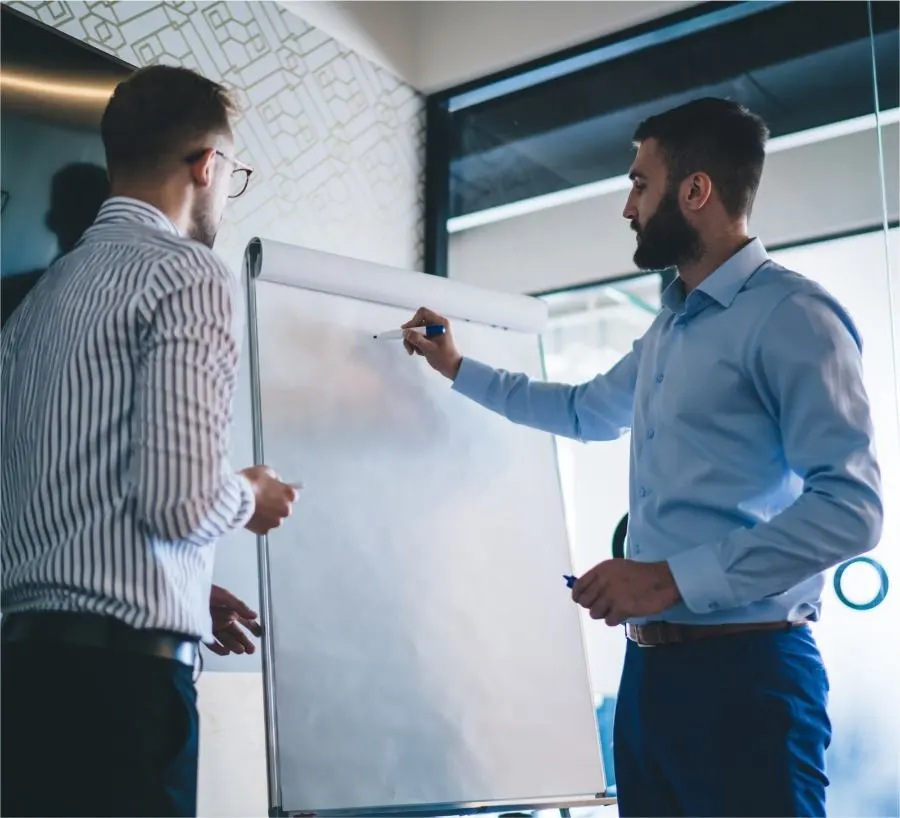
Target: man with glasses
(118, 375)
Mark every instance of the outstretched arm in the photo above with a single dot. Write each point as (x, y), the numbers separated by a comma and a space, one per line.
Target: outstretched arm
(600, 409)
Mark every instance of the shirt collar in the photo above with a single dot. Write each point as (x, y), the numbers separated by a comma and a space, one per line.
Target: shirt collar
(121, 209)
(726, 281)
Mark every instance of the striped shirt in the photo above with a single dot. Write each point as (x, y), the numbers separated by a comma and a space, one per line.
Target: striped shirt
(118, 372)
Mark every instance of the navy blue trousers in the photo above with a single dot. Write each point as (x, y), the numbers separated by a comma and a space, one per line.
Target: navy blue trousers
(91, 732)
(725, 726)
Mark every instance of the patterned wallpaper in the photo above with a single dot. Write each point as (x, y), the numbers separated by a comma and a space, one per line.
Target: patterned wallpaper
(337, 142)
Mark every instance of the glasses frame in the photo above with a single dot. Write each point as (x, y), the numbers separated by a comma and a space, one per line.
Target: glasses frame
(237, 167)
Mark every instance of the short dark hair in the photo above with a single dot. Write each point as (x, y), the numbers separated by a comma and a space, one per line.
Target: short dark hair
(157, 113)
(714, 136)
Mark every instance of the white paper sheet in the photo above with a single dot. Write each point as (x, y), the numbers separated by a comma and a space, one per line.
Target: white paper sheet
(426, 649)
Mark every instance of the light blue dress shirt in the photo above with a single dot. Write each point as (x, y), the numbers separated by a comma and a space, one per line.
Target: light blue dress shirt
(753, 468)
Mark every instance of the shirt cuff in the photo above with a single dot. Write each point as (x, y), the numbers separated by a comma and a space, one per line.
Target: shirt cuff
(474, 379)
(248, 501)
(701, 581)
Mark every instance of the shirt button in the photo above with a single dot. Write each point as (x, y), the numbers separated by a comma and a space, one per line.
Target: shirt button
(651, 434)
(659, 378)
(713, 606)
(642, 492)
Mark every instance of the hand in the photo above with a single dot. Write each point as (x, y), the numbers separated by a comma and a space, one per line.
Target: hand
(619, 589)
(229, 617)
(274, 499)
(440, 352)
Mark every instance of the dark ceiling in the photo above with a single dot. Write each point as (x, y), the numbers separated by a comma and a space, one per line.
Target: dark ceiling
(799, 65)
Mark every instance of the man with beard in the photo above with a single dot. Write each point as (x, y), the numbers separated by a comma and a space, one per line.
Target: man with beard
(752, 473)
(118, 374)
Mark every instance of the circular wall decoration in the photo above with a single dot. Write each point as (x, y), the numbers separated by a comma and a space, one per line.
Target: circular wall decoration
(883, 584)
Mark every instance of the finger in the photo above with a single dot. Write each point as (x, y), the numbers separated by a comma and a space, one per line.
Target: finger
(592, 596)
(416, 320)
(218, 648)
(423, 345)
(601, 608)
(233, 639)
(615, 617)
(586, 590)
(251, 624)
(221, 617)
(583, 583)
(426, 316)
(237, 633)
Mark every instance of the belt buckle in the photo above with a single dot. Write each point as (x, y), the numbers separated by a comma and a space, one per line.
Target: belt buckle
(658, 634)
(672, 634)
(186, 653)
(641, 635)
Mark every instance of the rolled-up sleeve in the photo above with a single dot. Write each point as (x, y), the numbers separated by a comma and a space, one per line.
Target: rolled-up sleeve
(806, 365)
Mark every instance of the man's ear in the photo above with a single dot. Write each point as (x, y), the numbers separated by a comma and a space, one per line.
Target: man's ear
(696, 190)
(202, 168)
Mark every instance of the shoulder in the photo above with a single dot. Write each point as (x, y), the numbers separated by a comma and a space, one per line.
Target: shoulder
(182, 263)
(187, 277)
(793, 309)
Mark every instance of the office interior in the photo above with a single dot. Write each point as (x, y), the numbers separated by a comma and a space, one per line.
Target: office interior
(489, 142)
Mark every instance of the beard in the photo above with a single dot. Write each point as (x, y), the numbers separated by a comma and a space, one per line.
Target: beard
(204, 226)
(667, 239)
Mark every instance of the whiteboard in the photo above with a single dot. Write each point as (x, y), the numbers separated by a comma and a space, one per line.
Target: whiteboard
(421, 651)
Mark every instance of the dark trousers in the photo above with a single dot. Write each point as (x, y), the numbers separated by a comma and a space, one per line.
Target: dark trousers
(94, 732)
(725, 726)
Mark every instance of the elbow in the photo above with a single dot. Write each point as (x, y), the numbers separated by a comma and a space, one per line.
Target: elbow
(873, 523)
(867, 514)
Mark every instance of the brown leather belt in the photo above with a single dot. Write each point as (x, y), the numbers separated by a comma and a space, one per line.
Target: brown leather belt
(95, 631)
(656, 634)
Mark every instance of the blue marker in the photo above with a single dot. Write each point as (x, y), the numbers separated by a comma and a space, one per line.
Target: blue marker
(430, 331)
(570, 581)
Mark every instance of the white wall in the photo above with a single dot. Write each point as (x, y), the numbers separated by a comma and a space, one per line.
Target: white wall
(806, 192)
(436, 44)
(461, 41)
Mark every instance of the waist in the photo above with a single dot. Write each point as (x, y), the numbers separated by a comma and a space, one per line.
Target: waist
(96, 631)
(658, 634)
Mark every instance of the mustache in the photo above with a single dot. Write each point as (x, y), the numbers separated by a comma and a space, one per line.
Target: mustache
(636, 227)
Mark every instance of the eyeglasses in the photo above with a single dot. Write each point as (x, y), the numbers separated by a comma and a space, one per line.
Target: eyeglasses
(240, 173)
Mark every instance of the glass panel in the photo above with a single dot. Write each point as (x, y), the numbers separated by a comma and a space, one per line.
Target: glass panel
(796, 66)
(589, 331)
(860, 647)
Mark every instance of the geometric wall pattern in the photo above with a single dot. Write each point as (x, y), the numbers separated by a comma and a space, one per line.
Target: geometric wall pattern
(337, 142)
